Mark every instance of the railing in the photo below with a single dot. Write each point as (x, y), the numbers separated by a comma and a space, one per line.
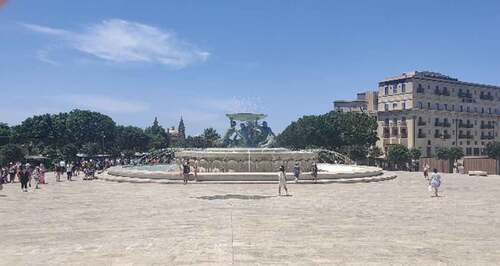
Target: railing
(462, 94)
(465, 136)
(487, 126)
(487, 137)
(437, 135)
(488, 97)
(446, 124)
(421, 135)
(468, 125)
(421, 123)
(420, 90)
(446, 136)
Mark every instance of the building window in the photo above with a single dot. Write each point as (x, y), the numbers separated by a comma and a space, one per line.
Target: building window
(403, 105)
(420, 105)
(446, 107)
(437, 106)
(468, 109)
(429, 106)
(403, 88)
(461, 108)
(394, 106)
(386, 107)
(453, 107)
(386, 90)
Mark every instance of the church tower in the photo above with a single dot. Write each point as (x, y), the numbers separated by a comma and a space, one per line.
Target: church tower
(182, 129)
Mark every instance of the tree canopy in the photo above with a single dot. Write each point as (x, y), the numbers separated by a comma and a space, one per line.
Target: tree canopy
(398, 154)
(350, 133)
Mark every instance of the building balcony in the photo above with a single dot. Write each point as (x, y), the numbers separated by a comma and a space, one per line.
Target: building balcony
(464, 125)
(464, 95)
(437, 135)
(446, 136)
(421, 135)
(487, 97)
(465, 136)
(487, 137)
(421, 123)
(442, 93)
(487, 126)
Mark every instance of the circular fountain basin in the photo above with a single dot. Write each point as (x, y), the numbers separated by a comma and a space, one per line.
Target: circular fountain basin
(172, 173)
(248, 160)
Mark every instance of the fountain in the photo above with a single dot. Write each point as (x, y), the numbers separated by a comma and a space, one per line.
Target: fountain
(247, 156)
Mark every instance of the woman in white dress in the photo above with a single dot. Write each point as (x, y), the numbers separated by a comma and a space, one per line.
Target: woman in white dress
(282, 180)
(435, 182)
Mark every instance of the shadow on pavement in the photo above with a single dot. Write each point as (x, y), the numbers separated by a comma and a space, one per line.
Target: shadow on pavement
(235, 196)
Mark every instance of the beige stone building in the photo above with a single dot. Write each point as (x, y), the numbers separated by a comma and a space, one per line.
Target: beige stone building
(365, 102)
(428, 110)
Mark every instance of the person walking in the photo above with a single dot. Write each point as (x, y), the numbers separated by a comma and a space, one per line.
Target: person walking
(314, 172)
(296, 172)
(282, 180)
(12, 172)
(24, 178)
(426, 171)
(185, 171)
(435, 182)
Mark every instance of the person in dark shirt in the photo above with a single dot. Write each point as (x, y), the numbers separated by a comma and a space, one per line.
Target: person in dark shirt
(185, 171)
(24, 177)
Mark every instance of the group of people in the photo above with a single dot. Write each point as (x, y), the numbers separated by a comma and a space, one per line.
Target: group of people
(26, 174)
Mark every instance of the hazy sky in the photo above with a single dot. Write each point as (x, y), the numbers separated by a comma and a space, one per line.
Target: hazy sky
(135, 60)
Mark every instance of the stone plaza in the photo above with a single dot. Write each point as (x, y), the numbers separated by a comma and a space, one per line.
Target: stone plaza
(389, 222)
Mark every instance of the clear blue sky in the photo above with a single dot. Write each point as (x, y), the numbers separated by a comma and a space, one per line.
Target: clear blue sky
(135, 60)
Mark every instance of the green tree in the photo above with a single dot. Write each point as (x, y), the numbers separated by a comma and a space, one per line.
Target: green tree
(133, 139)
(69, 152)
(374, 152)
(415, 153)
(450, 154)
(493, 151)
(5, 134)
(398, 155)
(333, 131)
(158, 135)
(11, 153)
(196, 142)
(91, 148)
(211, 137)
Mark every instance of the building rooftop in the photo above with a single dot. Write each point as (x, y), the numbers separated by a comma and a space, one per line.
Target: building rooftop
(435, 76)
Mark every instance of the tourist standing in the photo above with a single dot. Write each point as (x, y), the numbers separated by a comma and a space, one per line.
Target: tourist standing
(12, 172)
(196, 170)
(36, 175)
(282, 180)
(185, 171)
(314, 172)
(69, 171)
(296, 172)
(41, 173)
(426, 171)
(24, 178)
(435, 182)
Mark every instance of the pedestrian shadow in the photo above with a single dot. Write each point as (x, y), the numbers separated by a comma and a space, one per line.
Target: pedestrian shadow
(235, 196)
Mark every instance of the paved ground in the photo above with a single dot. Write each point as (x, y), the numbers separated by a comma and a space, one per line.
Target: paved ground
(391, 222)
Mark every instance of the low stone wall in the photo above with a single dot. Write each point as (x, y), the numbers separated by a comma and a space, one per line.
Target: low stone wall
(349, 172)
